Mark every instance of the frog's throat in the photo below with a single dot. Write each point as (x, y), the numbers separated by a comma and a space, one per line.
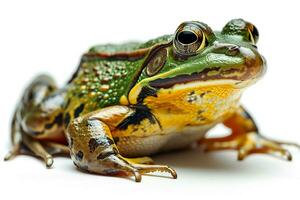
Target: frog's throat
(137, 89)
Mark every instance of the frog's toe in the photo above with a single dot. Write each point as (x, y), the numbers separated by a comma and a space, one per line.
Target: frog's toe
(144, 169)
(255, 143)
(13, 152)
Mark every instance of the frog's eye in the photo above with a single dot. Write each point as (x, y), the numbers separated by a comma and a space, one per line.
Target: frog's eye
(253, 34)
(189, 39)
(242, 28)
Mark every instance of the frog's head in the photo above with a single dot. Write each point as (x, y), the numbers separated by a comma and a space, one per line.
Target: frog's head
(196, 56)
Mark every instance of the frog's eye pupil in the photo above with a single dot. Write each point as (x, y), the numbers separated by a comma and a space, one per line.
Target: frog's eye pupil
(189, 40)
(187, 37)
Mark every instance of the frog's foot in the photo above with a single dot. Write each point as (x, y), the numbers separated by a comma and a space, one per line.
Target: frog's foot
(131, 167)
(247, 144)
(113, 164)
(146, 165)
(15, 150)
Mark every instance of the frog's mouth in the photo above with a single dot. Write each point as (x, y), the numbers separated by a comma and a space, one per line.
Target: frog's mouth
(213, 74)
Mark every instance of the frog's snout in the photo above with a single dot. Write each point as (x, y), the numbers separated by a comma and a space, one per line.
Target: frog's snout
(254, 63)
(242, 63)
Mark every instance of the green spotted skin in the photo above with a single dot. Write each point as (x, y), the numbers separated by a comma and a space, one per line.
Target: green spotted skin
(100, 82)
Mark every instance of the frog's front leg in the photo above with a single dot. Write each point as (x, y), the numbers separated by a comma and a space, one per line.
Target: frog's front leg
(93, 148)
(246, 139)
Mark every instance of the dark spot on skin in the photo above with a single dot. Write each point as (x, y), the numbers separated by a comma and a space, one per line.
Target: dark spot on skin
(79, 156)
(143, 129)
(116, 139)
(93, 144)
(101, 156)
(57, 120)
(78, 110)
(103, 142)
(146, 91)
(30, 96)
(67, 119)
(191, 93)
(200, 112)
(204, 93)
(141, 112)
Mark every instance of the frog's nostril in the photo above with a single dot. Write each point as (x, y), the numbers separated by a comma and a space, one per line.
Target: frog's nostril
(233, 50)
(226, 48)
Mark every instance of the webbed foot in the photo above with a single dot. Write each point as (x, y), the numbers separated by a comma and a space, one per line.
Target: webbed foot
(247, 144)
(132, 167)
(246, 139)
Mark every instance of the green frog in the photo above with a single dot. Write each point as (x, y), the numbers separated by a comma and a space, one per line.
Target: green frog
(128, 101)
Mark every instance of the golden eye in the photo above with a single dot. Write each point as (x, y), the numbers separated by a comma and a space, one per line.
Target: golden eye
(189, 39)
(253, 34)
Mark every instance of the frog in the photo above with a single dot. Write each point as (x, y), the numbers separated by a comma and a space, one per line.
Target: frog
(127, 102)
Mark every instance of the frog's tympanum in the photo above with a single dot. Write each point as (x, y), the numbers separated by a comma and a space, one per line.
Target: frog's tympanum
(126, 102)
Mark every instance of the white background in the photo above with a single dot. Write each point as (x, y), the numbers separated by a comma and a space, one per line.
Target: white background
(39, 36)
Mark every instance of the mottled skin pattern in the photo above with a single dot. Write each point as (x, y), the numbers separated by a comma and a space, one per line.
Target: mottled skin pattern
(137, 99)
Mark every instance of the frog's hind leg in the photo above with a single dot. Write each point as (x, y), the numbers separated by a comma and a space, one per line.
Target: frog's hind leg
(93, 148)
(246, 139)
(38, 118)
